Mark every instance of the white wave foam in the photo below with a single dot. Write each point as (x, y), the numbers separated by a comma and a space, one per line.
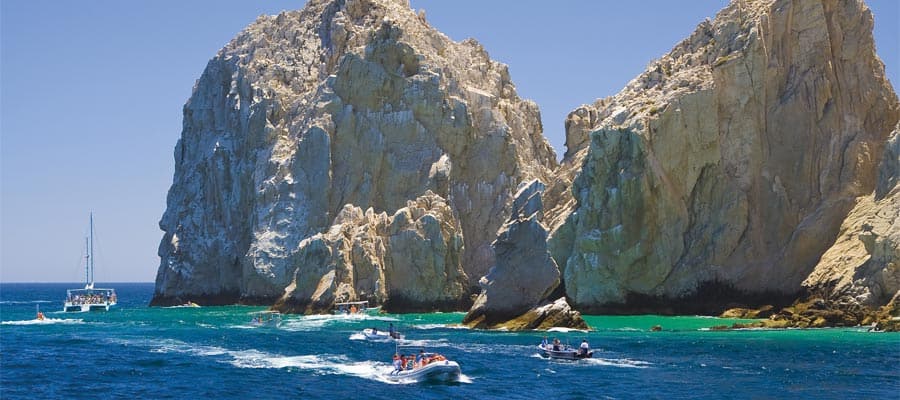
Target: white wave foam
(564, 330)
(25, 301)
(618, 362)
(251, 358)
(424, 343)
(45, 321)
(429, 326)
(317, 322)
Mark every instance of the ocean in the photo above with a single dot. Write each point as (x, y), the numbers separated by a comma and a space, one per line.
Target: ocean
(139, 352)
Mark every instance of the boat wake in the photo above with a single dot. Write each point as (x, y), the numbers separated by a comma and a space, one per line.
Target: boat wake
(45, 321)
(617, 362)
(325, 364)
(317, 322)
(24, 301)
(440, 326)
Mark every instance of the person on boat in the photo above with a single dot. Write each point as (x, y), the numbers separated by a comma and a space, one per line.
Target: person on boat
(392, 332)
(544, 343)
(40, 316)
(398, 366)
(353, 309)
(422, 359)
(584, 348)
(555, 344)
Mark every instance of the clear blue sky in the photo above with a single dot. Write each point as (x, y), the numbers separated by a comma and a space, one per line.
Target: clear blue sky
(91, 95)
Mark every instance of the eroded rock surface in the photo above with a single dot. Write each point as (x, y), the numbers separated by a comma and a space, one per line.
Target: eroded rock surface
(525, 276)
(355, 103)
(731, 162)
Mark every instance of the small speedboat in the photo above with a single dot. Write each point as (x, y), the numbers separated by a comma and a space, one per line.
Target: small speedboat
(355, 307)
(437, 371)
(374, 334)
(565, 352)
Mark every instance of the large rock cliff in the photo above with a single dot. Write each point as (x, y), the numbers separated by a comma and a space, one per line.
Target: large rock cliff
(723, 172)
(308, 117)
(350, 151)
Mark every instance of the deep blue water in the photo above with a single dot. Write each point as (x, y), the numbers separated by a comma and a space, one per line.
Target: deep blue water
(215, 353)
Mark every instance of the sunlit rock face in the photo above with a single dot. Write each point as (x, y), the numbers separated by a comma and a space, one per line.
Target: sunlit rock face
(359, 104)
(863, 265)
(730, 163)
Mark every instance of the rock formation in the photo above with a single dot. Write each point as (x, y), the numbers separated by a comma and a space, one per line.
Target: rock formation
(408, 261)
(723, 172)
(746, 167)
(308, 117)
(518, 287)
(863, 265)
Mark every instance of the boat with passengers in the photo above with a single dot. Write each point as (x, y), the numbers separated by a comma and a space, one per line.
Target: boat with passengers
(426, 367)
(561, 351)
(89, 298)
(355, 307)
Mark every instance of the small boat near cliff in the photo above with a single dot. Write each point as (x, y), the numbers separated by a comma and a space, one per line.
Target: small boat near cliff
(355, 307)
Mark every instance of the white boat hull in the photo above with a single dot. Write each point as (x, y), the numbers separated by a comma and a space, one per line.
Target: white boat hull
(564, 354)
(370, 334)
(439, 371)
(87, 307)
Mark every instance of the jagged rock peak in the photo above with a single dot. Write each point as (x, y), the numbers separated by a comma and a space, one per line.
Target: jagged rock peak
(356, 102)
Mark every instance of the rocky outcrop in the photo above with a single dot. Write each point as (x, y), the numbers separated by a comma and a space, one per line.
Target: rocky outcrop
(308, 117)
(516, 289)
(730, 163)
(408, 261)
(863, 265)
(550, 314)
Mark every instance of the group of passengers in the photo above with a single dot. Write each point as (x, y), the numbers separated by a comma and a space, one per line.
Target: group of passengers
(91, 298)
(583, 349)
(412, 361)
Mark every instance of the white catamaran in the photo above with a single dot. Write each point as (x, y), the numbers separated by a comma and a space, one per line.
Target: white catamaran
(89, 298)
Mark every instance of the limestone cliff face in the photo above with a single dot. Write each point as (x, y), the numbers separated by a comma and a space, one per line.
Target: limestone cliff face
(863, 265)
(309, 117)
(730, 163)
(408, 261)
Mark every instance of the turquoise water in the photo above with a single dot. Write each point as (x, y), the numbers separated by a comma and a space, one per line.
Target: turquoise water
(141, 352)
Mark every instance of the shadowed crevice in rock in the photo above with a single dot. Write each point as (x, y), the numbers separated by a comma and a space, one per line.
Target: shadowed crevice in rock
(515, 292)
(710, 298)
(400, 304)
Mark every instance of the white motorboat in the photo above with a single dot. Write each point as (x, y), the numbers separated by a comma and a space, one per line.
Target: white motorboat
(439, 371)
(375, 334)
(89, 298)
(564, 352)
(355, 307)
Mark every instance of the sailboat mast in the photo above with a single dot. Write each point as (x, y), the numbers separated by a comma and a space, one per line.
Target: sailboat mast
(87, 261)
(92, 249)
